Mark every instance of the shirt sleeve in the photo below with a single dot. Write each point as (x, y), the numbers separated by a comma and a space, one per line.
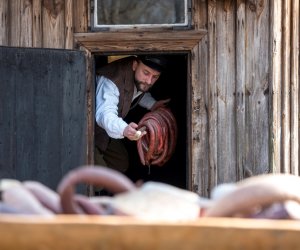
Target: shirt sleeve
(147, 101)
(107, 100)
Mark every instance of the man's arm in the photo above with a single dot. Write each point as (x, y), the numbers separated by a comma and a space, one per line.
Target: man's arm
(107, 99)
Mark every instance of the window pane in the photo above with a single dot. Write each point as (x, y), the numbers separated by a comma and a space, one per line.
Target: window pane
(140, 12)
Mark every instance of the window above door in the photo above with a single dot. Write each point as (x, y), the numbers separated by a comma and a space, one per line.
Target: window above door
(122, 14)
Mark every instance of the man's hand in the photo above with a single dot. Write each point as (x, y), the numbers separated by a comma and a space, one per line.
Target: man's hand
(161, 103)
(131, 133)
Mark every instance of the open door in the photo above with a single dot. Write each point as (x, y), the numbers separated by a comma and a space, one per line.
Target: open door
(43, 113)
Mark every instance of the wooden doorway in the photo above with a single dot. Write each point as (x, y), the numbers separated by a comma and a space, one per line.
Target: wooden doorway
(183, 45)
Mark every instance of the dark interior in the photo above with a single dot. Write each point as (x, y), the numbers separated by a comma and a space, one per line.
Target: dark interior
(171, 84)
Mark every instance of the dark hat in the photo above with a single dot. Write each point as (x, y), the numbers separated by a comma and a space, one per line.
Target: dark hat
(155, 62)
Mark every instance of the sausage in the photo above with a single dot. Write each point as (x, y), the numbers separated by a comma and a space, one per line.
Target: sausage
(258, 191)
(159, 145)
(20, 198)
(88, 207)
(47, 197)
(109, 179)
(141, 150)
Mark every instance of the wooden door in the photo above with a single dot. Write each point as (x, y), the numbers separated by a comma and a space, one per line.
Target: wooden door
(43, 113)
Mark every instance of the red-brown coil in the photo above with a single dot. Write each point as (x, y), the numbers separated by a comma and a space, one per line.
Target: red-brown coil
(158, 145)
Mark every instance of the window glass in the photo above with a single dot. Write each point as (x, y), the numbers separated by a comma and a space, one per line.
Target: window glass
(110, 13)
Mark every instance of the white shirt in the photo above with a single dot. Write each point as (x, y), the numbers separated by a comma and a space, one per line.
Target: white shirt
(107, 100)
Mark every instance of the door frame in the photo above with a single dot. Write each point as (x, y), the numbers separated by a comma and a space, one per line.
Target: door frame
(126, 42)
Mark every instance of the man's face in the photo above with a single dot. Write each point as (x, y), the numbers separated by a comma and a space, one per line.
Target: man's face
(144, 76)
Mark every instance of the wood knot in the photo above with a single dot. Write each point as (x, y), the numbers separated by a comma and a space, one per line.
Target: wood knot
(54, 7)
(252, 6)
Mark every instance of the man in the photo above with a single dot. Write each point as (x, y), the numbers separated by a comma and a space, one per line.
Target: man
(119, 84)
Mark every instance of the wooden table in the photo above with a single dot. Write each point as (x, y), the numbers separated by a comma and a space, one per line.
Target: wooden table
(94, 232)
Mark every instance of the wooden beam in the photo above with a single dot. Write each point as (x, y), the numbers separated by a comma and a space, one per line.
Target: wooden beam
(139, 40)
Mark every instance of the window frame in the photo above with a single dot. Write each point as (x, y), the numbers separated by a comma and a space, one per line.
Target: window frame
(106, 27)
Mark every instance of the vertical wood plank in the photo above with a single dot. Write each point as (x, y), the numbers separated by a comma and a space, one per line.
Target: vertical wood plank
(212, 92)
(90, 102)
(4, 23)
(200, 171)
(37, 33)
(7, 118)
(53, 23)
(69, 43)
(73, 120)
(199, 21)
(295, 43)
(285, 89)
(14, 23)
(200, 167)
(240, 87)
(20, 23)
(26, 24)
(81, 21)
(88, 11)
(257, 87)
(225, 91)
(275, 87)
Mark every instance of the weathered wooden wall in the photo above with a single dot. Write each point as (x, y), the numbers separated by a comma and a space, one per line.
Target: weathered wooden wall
(45, 24)
(245, 100)
(248, 91)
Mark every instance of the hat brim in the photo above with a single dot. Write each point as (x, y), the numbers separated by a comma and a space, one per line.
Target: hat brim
(156, 63)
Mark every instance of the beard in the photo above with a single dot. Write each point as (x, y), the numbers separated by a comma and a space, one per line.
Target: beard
(142, 86)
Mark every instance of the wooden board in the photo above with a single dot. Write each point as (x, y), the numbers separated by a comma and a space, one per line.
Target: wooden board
(91, 232)
(43, 113)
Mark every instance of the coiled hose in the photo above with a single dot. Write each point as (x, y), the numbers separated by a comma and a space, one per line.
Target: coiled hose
(158, 145)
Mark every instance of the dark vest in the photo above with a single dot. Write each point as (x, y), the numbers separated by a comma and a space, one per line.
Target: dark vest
(120, 73)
